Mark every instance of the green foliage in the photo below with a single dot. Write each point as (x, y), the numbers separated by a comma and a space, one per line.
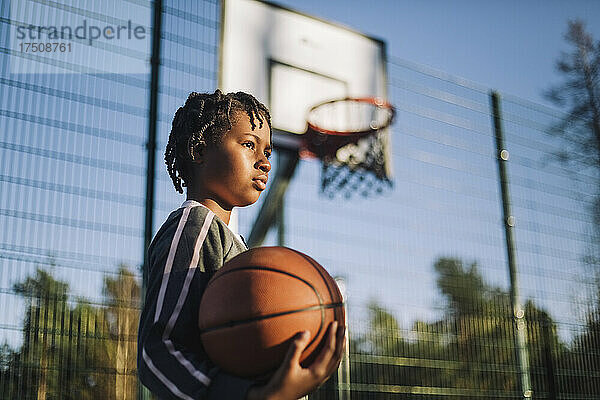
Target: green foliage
(583, 357)
(463, 287)
(122, 315)
(579, 93)
(579, 130)
(467, 353)
(73, 349)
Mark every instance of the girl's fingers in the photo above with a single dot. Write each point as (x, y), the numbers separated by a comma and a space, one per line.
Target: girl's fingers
(340, 342)
(298, 345)
(321, 365)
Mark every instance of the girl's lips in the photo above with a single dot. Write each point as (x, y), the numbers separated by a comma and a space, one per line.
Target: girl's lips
(259, 184)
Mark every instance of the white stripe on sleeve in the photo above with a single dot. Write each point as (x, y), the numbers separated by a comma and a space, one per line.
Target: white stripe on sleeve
(181, 300)
(170, 385)
(202, 378)
(169, 264)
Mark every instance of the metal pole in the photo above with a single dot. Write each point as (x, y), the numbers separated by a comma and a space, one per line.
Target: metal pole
(268, 214)
(281, 224)
(343, 372)
(151, 144)
(143, 393)
(509, 223)
(280, 211)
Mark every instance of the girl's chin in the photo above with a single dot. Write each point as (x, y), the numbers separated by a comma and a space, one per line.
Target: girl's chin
(249, 200)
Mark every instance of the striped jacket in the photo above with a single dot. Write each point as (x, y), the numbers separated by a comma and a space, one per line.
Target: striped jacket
(186, 251)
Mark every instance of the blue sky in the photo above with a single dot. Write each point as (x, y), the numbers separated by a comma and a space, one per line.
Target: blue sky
(508, 45)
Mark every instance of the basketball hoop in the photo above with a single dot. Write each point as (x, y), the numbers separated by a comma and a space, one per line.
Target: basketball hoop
(347, 136)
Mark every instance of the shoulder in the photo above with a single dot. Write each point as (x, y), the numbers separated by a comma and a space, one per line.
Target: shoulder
(183, 231)
(185, 223)
(212, 237)
(193, 232)
(230, 243)
(202, 232)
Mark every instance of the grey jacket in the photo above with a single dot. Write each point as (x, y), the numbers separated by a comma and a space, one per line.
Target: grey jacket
(186, 251)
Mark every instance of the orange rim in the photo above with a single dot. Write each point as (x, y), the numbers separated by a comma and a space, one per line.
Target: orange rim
(377, 102)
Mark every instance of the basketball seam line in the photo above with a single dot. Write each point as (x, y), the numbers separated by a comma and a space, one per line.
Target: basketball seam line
(310, 285)
(312, 262)
(272, 270)
(232, 324)
(318, 268)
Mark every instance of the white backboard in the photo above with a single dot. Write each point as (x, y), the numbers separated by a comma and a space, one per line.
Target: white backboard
(291, 62)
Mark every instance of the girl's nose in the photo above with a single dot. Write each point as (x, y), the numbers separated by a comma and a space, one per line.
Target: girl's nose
(264, 165)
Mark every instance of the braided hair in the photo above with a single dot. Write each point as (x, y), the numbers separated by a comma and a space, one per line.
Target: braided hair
(202, 122)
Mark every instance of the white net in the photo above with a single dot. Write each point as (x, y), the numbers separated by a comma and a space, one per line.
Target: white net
(348, 136)
(357, 168)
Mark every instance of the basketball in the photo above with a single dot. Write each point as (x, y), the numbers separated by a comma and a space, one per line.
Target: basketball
(258, 301)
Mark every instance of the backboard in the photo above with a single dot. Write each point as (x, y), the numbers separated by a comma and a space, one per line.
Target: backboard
(291, 61)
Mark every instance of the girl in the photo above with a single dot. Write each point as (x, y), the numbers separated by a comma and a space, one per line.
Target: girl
(219, 148)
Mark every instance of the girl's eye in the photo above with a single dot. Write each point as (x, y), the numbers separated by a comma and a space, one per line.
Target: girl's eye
(268, 154)
(249, 145)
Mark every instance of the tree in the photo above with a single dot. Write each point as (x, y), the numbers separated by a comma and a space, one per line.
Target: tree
(46, 299)
(72, 348)
(122, 315)
(579, 131)
(468, 350)
(580, 94)
(582, 360)
(60, 357)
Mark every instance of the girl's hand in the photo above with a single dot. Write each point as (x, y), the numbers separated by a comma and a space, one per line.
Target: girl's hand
(291, 381)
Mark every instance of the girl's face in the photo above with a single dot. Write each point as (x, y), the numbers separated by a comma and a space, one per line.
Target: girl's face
(235, 172)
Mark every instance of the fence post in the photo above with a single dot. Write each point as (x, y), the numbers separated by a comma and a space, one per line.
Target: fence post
(143, 393)
(151, 143)
(509, 222)
(546, 324)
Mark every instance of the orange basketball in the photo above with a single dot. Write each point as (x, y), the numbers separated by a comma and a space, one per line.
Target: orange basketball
(258, 301)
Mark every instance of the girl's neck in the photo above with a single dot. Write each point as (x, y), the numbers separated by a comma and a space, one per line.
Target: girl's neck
(212, 205)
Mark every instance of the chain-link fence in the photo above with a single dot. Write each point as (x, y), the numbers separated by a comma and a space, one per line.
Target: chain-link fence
(425, 264)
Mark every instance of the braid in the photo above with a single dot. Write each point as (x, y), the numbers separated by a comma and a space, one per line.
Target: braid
(203, 121)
